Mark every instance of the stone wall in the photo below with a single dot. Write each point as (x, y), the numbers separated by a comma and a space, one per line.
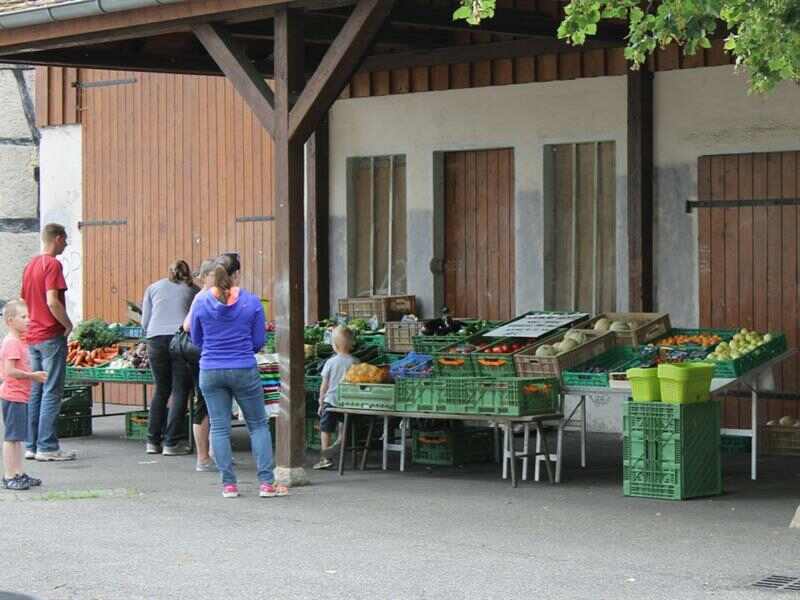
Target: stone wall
(19, 156)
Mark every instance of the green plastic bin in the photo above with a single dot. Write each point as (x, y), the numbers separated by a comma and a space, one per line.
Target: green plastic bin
(449, 448)
(645, 386)
(685, 383)
(368, 396)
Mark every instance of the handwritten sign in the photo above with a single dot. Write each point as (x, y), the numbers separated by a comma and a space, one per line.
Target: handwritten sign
(537, 324)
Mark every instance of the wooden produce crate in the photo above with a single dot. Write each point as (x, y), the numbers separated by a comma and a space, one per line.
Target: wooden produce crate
(530, 365)
(384, 308)
(400, 335)
(651, 326)
(781, 441)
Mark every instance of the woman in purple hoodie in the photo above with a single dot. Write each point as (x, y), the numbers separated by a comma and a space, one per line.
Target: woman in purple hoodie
(227, 324)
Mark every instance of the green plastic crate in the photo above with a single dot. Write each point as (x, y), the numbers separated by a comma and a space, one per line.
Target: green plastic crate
(77, 399)
(376, 340)
(428, 344)
(618, 359)
(497, 365)
(725, 334)
(735, 444)
(671, 451)
(70, 426)
(368, 396)
(685, 383)
(449, 448)
(731, 369)
(448, 363)
(104, 374)
(454, 395)
(518, 396)
(136, 425)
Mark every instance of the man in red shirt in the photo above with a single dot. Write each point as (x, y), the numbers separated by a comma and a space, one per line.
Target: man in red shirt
(43, 289)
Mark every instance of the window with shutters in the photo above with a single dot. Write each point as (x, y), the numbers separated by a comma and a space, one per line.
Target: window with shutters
(376, 225)
(580, 225)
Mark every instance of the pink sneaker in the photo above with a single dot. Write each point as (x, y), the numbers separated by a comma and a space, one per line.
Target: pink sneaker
(230, 490)
(269, 490)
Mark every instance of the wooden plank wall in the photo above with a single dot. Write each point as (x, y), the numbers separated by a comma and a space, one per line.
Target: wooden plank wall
(57, 97)
(548, 67)
(180, 158)
(479, 233)
(748, 263)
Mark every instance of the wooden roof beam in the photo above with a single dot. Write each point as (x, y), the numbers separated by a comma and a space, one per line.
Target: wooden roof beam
(337, 66)
(240, 70)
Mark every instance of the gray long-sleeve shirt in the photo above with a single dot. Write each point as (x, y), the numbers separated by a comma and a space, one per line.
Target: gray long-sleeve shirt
(164, 307)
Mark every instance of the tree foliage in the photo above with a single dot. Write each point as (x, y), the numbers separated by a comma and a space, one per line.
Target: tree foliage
(762, 35)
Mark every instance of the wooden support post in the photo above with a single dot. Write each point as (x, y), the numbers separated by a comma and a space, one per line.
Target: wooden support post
(640, 190)
(289, 284)
(317, 216)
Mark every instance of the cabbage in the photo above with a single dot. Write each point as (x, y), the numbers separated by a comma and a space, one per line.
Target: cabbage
(576, 336)
(602, 325)
(545, 351)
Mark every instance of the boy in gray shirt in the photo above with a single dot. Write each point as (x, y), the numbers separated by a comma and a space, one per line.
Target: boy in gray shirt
(332, 374)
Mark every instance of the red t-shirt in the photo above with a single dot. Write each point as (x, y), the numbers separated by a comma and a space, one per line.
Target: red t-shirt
(14, 390)
(43, 273)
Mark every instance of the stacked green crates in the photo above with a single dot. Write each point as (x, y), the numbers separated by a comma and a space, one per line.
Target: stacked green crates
(449, 448)
(75, 417)
(671, 451)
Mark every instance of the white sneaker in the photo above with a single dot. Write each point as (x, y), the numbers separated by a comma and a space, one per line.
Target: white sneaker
(57, 456)
(153, 448)
(30, 455)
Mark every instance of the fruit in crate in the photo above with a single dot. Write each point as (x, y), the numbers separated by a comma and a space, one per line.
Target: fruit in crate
(602, 325)
(705, 340)
(545, 351)
(742, 343)
(505, 348)
(566, 345)
(80, 357)
(619, 326)
(364, 373)
(576, 336)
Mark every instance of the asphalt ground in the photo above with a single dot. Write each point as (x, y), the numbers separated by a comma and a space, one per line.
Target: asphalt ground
(119, 524)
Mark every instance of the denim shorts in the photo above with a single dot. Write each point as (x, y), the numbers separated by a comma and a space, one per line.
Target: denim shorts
(329, 420)
(15, 419)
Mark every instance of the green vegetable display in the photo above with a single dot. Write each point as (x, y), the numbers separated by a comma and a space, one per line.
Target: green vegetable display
(95, 333)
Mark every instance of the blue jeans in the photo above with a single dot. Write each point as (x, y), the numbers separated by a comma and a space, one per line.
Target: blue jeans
(45, 402)
(219, 387)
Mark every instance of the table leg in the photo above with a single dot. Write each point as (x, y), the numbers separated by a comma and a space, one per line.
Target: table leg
(367, 443)
(546, 453)
(144, 396)
(385, 443)
(537, 459)
(403, 428)
(345, 423)
(526, 439)
(103, 397)
(511, 458)
(505, 452)
(583, 432)
(559, 450)
(754, 426)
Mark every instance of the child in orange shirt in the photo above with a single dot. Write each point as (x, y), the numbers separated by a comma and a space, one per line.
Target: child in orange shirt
(15, 391)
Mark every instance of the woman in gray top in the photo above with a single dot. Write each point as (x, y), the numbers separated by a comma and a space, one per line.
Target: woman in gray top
(165, 306)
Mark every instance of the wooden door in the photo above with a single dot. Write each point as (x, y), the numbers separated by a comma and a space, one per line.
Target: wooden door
(479, 255)
(748, 261)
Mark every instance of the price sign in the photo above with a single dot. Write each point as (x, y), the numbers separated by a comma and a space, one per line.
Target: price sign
(537, 324)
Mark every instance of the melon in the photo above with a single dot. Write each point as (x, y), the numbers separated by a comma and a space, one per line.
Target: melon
(576, 336)
(602, 325)
(786, 421)
(567, 345)
(545, 351)
(619, 326)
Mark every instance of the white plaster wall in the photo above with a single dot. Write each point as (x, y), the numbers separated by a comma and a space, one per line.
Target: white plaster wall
(62, 202)
(524, 117)
(699, 111)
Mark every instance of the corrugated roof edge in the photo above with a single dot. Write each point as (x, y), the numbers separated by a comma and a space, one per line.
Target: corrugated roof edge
(73, 9)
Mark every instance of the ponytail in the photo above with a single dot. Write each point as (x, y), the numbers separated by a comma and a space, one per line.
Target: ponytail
(223, 282)
(179, 272)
